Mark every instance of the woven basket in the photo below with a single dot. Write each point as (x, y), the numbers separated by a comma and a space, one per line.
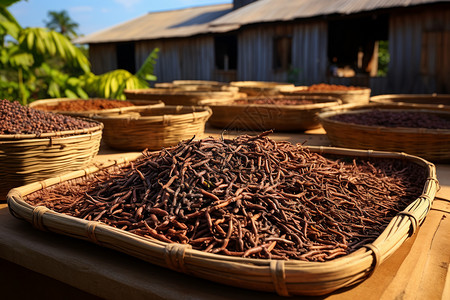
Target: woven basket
(153, 128)
(26, 158)
(422, 101)
(48, 103)
(291, 277)
(431, 144)
(177, 97)
(261, 117)
(359, 96)
(261, 88)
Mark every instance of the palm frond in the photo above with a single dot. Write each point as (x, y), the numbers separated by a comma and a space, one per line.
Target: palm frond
(147, 70)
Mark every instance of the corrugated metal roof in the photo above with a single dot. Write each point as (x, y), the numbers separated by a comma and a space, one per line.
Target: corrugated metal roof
(283, 10)
(166, 24)
(221, 18)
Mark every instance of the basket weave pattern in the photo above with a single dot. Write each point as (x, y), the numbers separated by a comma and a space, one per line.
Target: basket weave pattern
(421, 101)
(28, 158)
(286, 278)
(263, 117)
(360, 96)
(177, 97)
(153, 128)
(431, 144)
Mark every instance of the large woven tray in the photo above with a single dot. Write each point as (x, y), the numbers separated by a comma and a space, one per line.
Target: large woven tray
(153, 128)
(49, 103)
(261, 117)
(359, 96)
(291, 277)
(25, 158)
(176, 96)
(422, 101)
(431, 144)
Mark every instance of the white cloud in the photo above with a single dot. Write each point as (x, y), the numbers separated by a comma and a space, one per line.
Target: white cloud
(128, 4)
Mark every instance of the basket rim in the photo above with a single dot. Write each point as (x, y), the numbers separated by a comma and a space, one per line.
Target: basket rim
(194, 112)
(408, 100)
(226, 103)
(360, 263)
(51, 101)
(49, 135)
(359, 90)
(393, 96)
(168, 92)
(324, 117)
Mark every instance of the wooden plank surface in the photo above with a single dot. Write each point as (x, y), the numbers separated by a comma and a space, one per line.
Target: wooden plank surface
(419, 269)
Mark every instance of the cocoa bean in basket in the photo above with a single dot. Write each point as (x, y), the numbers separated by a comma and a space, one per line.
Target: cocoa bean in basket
(395, 119)
(250, 197)
(18, 119)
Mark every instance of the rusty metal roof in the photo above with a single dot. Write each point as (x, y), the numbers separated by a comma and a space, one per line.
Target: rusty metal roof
(263, 11)
(165, 24)
(221, 18)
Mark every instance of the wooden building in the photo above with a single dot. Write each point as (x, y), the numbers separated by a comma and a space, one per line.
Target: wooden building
(305, 42)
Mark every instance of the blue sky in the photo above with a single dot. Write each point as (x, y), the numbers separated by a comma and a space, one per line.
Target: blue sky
(95, 15)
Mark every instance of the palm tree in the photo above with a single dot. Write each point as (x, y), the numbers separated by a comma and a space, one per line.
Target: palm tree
(61, 22)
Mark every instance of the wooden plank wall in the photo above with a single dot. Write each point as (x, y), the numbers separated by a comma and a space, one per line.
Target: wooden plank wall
(181, 58)
(416, 43)
(309, 52)
(103, 58)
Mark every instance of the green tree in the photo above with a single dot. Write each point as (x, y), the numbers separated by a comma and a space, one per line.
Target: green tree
(37, 63)
(62, 23)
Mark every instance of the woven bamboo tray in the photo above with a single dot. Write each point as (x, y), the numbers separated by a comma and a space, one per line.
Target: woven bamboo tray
(48, 103)
(176, 96)
(359, 96)
(153, 128)
(261, 117)
(26, 158)
(422, 101)
(261, 88)
(291, 277)
(431, 144)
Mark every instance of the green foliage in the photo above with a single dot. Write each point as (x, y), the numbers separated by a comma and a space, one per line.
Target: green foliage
(383, 58)
(39, 63)
(112, 84)
(46, 44)
(148, 67)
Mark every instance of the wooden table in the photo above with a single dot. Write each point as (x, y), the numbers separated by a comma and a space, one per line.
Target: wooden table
(46, 265)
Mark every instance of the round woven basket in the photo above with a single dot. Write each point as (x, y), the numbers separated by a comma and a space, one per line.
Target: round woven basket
(422, 101)
(356, 96)
(261, 88)
(229, 115)
(25, 158)
(51, 105)
(287, 278)
(177, 97)
(431, 144)
(153, 128)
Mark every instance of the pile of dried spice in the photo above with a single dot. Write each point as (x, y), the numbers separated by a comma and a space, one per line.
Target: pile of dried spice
(249, 197)
(81, 105)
